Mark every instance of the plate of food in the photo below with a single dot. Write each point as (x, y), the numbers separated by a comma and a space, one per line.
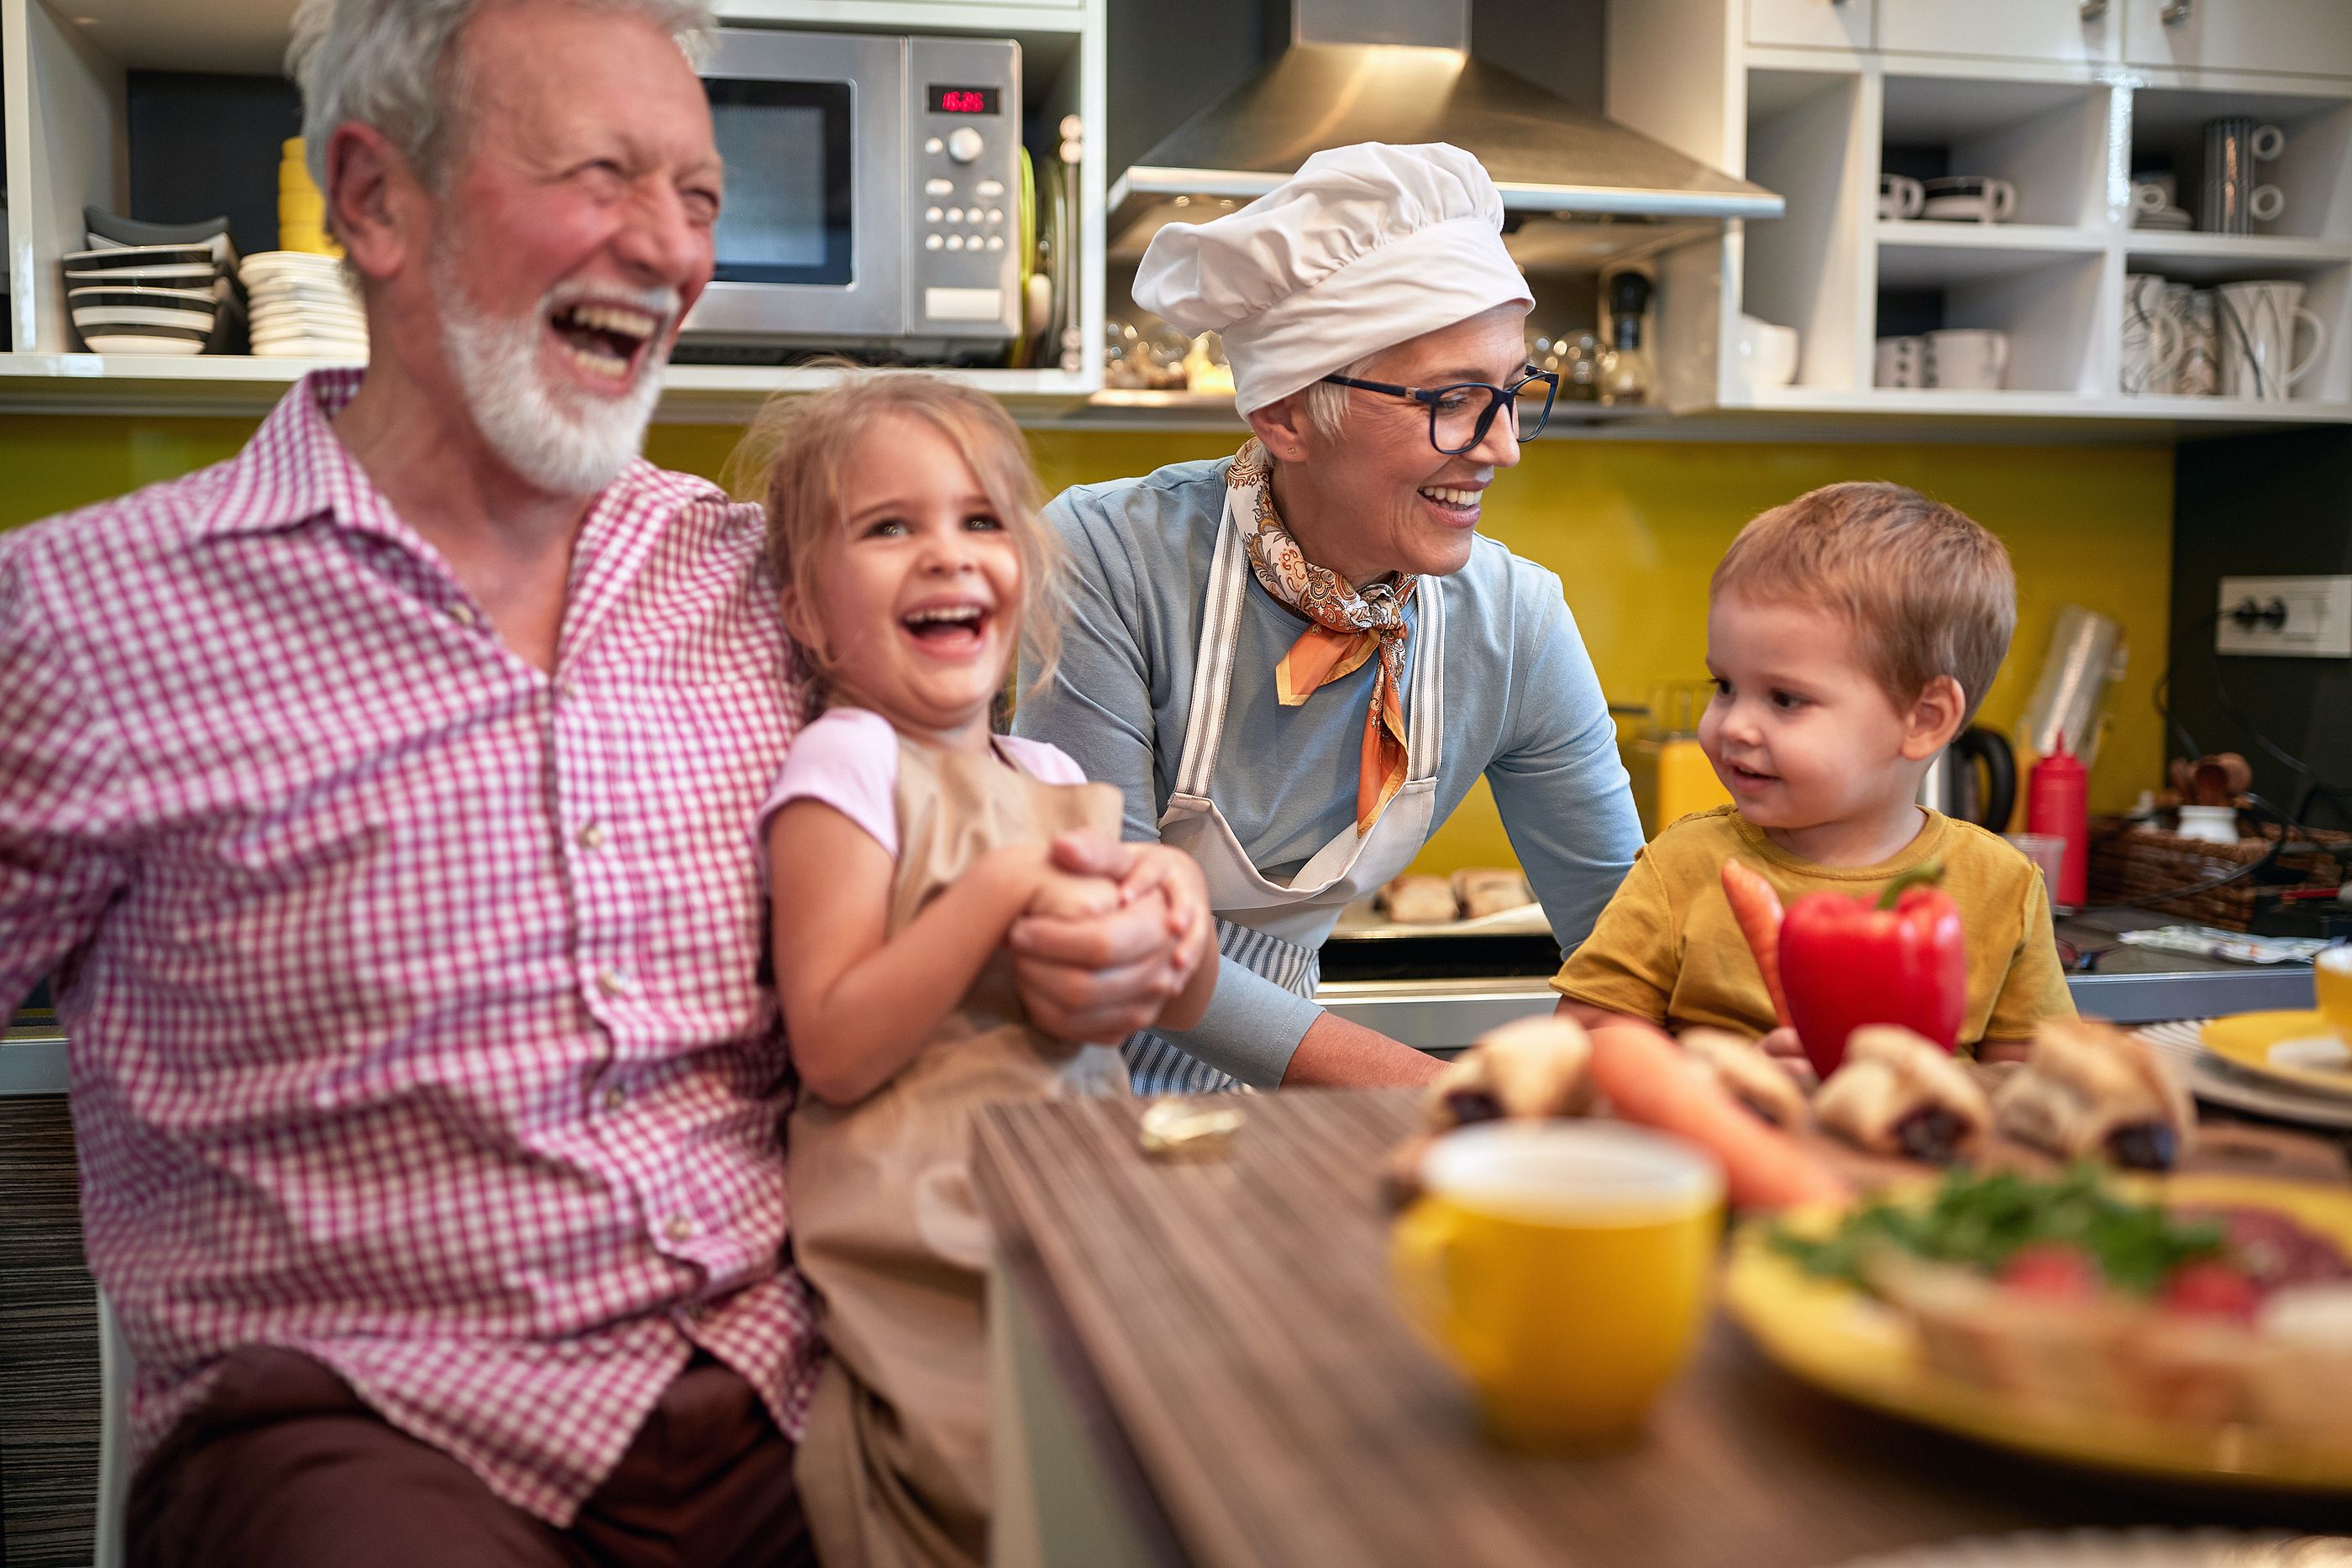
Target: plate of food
(2297, 1048)
(2193, 1327)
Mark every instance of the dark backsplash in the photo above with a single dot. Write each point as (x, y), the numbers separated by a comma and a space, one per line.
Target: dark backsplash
(2264, 505)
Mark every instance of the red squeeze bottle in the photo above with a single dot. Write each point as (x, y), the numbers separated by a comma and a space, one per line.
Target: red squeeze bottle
(2057, 803)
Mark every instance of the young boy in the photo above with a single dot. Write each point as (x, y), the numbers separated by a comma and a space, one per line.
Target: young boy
(1852, 633)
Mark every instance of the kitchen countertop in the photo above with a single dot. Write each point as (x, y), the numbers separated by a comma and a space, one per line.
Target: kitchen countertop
(2128, 985)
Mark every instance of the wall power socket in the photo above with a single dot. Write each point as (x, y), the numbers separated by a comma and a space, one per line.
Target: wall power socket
(2287, 617)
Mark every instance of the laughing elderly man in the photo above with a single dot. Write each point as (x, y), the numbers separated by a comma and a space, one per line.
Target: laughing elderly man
(383, 801)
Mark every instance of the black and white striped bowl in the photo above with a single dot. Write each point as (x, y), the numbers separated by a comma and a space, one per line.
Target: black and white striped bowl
(127, 320)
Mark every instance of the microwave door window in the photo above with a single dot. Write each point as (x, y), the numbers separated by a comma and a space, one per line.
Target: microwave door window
(786, 216)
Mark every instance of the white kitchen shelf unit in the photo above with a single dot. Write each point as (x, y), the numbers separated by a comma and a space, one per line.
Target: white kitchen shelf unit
(62, 94)
(2064, 101)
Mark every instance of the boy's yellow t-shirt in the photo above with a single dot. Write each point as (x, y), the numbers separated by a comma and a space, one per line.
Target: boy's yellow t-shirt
(1668, 949)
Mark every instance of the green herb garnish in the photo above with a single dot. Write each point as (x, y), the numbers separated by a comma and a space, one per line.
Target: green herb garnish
(1980, 1221)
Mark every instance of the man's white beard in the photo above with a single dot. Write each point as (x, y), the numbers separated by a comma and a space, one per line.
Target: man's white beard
(566, 441)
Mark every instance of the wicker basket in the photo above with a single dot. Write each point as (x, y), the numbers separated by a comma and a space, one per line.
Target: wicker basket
(2130, 862)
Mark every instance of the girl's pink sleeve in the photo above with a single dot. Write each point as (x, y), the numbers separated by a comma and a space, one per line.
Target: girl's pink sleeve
(849, 759)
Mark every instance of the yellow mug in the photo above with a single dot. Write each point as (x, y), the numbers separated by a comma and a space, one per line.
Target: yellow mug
(1563, 1268)
(2331, 977)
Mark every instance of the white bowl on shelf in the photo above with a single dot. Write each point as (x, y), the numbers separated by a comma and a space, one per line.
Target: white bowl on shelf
(134, 340)
(1765, 354)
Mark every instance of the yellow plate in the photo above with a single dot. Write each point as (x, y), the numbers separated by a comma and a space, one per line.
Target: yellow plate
(2249, 1040)
(1840, 1340)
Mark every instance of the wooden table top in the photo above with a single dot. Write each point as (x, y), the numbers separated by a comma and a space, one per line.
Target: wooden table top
(1236, 1317)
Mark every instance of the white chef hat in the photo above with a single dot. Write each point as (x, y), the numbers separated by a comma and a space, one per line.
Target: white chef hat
(1365, 247)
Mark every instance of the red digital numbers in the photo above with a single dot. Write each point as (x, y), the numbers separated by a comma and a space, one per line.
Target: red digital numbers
(964, 102)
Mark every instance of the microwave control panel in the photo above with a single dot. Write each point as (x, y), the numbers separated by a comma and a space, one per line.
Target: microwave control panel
(963, 146)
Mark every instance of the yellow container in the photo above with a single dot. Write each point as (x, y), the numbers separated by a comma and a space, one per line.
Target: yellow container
(1672, 778)
(1564, 1268)
(2331, 975)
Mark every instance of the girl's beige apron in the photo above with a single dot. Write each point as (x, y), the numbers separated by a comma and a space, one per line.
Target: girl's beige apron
(894, 1466)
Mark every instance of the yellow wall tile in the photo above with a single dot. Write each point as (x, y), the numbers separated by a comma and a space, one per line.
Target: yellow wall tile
(1632, 526)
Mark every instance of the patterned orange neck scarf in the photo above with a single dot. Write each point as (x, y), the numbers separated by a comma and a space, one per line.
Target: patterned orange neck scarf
(1350, 626)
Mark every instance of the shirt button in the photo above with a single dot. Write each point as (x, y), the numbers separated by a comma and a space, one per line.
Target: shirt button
(590, 836)
(611, 982)
(463, 614)
(677, 1227)
(565, 691)
(615, 1099)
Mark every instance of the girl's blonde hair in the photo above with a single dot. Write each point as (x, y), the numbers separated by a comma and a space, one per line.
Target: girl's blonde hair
(794, 460)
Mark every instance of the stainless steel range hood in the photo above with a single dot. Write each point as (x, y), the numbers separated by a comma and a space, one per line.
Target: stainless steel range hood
(1581, 188)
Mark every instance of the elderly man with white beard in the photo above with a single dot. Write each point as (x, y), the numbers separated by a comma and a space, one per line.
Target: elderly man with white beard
(382, 804)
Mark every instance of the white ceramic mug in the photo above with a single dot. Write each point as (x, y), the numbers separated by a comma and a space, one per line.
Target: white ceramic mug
(1901, 362)
(2153, 337)
(1967, 359)
(1900, 196)
(1970, 199)
(2198, 374)
(2258, 322)
(1767, 353)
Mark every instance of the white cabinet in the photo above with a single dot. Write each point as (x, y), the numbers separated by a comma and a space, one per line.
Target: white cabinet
(1810, 24)
(2030, 92)
(2068, 30)
(2307, 37)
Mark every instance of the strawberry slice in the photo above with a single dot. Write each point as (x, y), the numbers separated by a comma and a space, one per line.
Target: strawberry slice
(2210, 1288)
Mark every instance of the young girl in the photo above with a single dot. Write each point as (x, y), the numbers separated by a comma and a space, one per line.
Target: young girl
(904, 838)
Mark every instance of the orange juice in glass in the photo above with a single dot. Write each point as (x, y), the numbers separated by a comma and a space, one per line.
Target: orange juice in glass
(1564, 1268)
(2331, 977)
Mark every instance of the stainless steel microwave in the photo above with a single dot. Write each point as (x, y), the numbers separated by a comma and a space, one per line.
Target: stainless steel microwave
(873, 195)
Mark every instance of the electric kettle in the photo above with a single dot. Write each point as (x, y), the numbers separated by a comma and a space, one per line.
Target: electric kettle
(1973, 779)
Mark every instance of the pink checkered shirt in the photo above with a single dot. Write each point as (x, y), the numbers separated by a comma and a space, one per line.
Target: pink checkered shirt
(414, 995)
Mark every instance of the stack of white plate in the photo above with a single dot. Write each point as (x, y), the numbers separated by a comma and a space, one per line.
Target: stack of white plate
(303, 309)
(148, 299)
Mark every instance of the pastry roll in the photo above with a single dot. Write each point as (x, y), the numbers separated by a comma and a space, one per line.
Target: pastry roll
(2089, 1088)
(1419, 900)
(1753, 1078)
(1534, 1067)
(1898, 1095)
(1490, 890)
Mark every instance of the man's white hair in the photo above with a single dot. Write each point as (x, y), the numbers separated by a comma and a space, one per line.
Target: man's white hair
(391, 64)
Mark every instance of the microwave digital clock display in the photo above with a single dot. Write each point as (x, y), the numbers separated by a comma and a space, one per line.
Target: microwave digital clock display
(964, 99)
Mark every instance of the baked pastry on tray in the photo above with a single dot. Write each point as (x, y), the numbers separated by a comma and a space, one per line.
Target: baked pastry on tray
(2090, 1089)
(1490, 890)
(1898, 1095)
(1411, 900)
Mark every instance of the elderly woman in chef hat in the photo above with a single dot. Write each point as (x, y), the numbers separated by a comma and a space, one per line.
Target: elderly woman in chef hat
(1296, 661)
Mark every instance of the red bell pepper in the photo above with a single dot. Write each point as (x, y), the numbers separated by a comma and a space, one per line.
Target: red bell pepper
(1845, 964)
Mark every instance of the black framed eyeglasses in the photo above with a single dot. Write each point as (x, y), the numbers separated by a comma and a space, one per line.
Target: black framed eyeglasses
(1461, 414)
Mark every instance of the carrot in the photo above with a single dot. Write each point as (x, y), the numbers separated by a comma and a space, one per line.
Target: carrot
(1650, 1081)
(1758, 909)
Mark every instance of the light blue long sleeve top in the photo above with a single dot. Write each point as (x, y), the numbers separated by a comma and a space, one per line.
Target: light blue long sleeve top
(1522, 705)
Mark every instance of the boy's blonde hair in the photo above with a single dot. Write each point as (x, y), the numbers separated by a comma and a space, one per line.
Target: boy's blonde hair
(794, 460)
(1927, 590)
